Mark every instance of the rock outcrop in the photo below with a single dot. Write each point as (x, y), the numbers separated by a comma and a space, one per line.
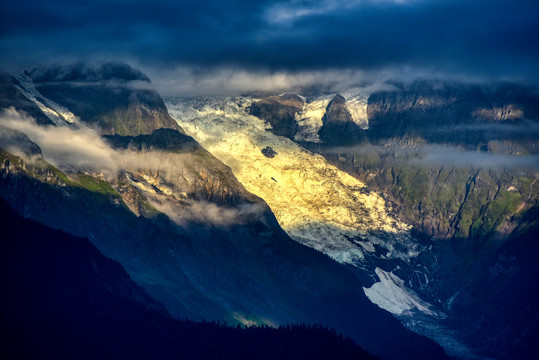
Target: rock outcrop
(339, 128)
(280, 112)
(114, 97)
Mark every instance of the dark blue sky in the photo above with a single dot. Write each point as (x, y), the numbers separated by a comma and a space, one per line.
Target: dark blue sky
(279, 42)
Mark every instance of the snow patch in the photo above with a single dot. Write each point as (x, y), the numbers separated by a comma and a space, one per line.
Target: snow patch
(391, 294)
(58, 114)
(357, 106)
(309, 119)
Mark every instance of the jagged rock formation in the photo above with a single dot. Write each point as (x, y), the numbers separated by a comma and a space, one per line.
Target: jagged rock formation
(280, 112)
(339, 128)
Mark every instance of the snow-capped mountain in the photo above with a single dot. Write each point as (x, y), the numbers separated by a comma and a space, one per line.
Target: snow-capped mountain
(326, 208)
(198, 223)
(177, 219)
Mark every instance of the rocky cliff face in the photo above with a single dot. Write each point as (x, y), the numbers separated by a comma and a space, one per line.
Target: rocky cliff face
(449, 199)
(459, 114)
(12, 97)
(338, 126)
(114, 97)
(330, 119)
(459, 163)
(280, 112)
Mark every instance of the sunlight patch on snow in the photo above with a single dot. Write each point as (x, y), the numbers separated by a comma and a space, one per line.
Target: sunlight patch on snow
(315, 203)
(391, 294)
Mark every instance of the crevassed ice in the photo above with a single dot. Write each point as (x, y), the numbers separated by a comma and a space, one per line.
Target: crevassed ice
(314, 202)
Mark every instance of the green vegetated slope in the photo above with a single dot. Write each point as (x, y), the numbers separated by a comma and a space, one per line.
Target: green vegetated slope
(446, 201)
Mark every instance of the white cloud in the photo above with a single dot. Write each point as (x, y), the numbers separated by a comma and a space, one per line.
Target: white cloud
(205, 212)
(66, 148)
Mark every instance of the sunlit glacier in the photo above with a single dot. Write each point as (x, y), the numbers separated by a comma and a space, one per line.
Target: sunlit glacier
(315, 203)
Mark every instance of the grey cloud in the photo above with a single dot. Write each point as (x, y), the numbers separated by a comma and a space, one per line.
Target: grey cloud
(225, 81)
(480, 39)
(448, 156)
(524, 127)
(441, 155)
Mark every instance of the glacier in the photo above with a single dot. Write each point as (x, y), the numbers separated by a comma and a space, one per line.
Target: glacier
(314, 202)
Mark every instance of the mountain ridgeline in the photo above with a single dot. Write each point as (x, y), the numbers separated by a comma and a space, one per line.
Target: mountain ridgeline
(174, 217)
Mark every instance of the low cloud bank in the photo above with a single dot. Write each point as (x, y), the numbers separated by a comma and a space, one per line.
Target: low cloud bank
(450, 156)
(66, 148)
(223, 81)
(205, 212)
(441, 155)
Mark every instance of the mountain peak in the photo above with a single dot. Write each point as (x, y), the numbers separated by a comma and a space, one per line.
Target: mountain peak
(114, 96)
(338, 99)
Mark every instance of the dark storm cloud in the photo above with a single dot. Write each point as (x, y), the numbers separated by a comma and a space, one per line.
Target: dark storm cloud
(490, 39)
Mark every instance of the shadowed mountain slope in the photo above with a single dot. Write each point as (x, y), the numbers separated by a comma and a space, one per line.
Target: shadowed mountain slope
(63, 300)
(113, 96)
